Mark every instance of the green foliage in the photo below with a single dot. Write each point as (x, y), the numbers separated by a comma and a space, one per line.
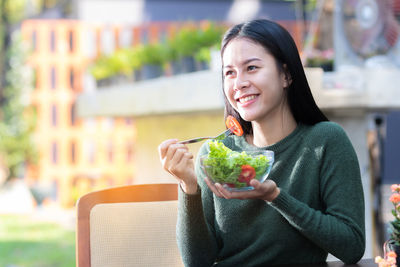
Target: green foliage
(151, 54)
(125, 61)
(395, 228)
(203, 55)
(105, 67)
(172, 50)
(122, 62)
(188, 41)
(395, 231)
(15, 9)
(395, 224)
(211, 35)
(17, 116)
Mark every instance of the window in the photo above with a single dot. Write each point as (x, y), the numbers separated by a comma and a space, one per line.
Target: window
(71, 41)
(53, 78)
(72, 115)
(54, 153)
(54, 115)
(144, 36)
(73, 152)
(71, 78)
(52, 41)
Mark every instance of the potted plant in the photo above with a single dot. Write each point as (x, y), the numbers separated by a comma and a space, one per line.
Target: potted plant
(203, 58)
(395, 224)
(210, 35)
(186, 43)
(114, 68)
(152, 58)
(103, 70)
(392, 246)
(173, 57)
(209, 38)
(134, 64)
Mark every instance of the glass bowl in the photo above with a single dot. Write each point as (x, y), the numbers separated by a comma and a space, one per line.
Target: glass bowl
(235, 170)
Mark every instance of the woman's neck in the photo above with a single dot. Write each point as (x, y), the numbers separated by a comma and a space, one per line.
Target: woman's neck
(271, 131)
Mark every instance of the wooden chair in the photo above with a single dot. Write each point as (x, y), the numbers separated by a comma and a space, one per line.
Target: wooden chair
(128, 226)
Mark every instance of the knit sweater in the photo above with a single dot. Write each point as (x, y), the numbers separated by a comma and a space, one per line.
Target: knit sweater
(320, 208)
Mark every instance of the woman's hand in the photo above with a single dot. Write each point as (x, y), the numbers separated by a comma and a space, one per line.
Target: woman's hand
(178, 161)
(266, 191)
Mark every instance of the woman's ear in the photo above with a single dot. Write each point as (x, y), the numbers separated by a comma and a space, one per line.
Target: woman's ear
(287, 77)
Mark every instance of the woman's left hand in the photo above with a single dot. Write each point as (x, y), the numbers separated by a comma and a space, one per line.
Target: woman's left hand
(267, 190)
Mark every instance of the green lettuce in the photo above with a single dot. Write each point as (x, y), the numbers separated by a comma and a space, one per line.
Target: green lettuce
(223, 165)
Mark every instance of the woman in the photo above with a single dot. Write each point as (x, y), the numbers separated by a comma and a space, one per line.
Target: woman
(311, 205)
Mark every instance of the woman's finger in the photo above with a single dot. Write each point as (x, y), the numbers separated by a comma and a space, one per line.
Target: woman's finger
(212, 187)
(175, 157)
(163, 147)
(182, 161)
(172, 149)
(223, 191)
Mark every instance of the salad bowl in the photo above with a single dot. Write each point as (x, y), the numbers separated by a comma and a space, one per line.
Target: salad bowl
(234, 170)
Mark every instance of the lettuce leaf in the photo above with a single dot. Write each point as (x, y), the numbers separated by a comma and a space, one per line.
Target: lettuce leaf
(223, 165)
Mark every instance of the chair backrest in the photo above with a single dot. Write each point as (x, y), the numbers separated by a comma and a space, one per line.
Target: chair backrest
(128, 226)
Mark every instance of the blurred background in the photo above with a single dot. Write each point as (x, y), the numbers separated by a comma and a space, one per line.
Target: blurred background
(89, 88)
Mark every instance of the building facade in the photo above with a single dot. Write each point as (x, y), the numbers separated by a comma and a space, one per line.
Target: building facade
(75, 155)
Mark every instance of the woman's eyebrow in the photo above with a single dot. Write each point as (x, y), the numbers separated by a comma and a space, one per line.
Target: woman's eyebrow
(247, 61)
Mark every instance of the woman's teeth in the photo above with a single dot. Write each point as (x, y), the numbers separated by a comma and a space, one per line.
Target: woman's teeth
(246, 98)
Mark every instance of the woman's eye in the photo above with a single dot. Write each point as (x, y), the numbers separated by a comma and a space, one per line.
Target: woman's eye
(229, 72)
(251, 67)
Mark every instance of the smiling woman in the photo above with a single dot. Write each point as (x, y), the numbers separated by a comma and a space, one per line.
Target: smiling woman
(254, 85)
(312, 201)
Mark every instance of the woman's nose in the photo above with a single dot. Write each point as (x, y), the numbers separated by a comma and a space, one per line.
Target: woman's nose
(240, 83)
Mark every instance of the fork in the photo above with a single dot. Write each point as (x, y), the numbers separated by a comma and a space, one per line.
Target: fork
(221, 136)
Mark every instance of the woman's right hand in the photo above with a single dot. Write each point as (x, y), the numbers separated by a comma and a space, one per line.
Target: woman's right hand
(178, 161)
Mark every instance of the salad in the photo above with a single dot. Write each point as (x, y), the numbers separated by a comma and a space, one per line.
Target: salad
(232, 168)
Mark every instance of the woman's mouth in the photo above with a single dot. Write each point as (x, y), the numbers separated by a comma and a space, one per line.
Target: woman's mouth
(245, 99)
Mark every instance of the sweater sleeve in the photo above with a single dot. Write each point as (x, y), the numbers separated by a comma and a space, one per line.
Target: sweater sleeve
(195, 225)
(338, 228)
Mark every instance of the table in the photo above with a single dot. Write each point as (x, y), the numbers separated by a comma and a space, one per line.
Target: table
(361, 263)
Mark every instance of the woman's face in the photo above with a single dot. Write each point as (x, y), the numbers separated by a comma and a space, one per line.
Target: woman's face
(253, 84)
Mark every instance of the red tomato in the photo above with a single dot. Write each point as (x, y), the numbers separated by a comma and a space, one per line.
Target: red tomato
(232, 123)
(247, 174)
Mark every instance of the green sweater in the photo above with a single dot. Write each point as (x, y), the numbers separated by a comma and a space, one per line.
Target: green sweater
(320, 208)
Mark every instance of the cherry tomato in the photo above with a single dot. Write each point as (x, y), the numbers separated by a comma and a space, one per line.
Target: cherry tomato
(247, 174)
(232, 123)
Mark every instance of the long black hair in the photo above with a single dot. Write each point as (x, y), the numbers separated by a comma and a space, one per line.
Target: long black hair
(279, 43)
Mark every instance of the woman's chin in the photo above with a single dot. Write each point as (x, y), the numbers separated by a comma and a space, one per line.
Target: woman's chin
(247, 114)
(247, 117)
